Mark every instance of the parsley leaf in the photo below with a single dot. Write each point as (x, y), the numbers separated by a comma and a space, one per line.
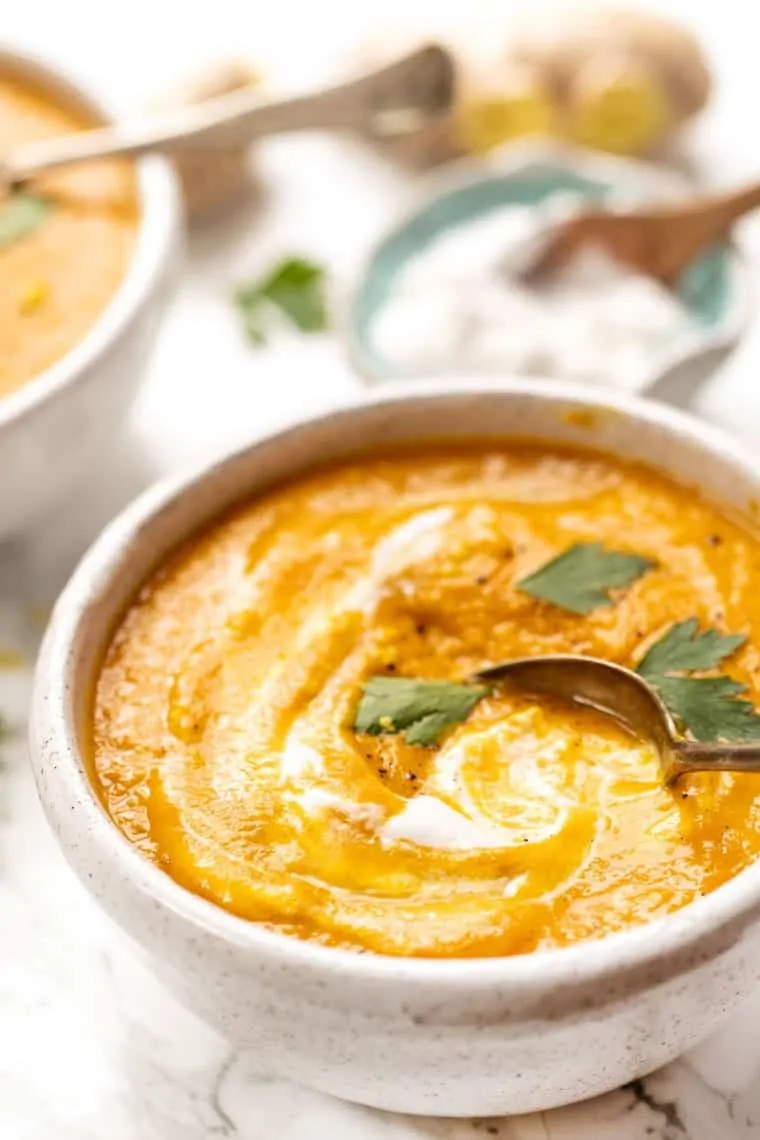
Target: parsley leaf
(295, 289)
(579, 580)
(20, 215)
(422, 710)
(706, 706)
(684, 649)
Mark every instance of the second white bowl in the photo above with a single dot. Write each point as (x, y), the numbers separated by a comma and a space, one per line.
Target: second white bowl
(56, 428)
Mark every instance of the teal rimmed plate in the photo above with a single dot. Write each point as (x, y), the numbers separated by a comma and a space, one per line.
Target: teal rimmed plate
(714, 290)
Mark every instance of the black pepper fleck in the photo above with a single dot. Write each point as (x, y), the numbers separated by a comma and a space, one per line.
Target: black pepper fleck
(391, 667)
(714, 540)
(481, 579)
(420, 629)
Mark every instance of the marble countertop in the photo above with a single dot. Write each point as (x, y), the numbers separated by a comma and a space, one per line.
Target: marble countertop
(90, 1047)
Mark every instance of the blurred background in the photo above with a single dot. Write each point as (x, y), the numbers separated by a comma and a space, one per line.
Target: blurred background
(328, 198)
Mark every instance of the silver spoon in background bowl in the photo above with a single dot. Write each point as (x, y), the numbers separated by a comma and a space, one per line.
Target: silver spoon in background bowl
(397, 99)
(626, 697)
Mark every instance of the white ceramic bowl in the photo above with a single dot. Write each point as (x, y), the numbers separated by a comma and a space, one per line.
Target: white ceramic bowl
(466, 1037)
(55, 428)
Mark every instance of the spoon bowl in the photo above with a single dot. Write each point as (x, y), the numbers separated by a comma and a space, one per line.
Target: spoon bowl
(628, 698)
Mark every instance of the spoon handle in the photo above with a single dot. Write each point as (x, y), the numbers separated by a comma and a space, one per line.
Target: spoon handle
(726, 208)
(691, 756)
(393, 99)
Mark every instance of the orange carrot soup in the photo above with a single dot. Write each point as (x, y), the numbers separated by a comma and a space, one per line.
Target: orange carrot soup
(65, 242)
(284, 721)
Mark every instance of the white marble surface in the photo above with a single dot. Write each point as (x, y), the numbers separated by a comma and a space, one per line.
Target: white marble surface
(90, 1047)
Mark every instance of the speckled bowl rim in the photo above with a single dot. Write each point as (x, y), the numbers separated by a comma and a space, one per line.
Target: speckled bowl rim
(160, 219)
(730, 909)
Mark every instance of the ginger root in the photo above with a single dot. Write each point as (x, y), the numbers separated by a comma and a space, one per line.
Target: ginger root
(623, 80)
(614, 79)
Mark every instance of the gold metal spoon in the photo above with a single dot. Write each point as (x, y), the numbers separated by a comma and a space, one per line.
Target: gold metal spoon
(394, 100)
(624, 695)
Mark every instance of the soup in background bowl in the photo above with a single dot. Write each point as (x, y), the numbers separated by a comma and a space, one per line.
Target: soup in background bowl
(87, 260)
(202, 746)
(62, 263)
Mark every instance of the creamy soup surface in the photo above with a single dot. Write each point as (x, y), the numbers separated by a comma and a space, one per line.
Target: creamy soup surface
(56, 280)
(223, 744)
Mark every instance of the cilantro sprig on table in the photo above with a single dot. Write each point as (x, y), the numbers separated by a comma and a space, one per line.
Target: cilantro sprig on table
(294, 289)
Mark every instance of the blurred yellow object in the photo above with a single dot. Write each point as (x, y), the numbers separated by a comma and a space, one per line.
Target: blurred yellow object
(511, 106)
(623, 79)
(11, 659)
(480, 126)
(621, 108)
(33, 296)
(611, 78)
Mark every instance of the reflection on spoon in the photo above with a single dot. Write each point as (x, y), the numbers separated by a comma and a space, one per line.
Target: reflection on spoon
(624, 695)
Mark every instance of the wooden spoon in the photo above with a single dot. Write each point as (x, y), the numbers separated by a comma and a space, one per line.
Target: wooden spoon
(658, 242)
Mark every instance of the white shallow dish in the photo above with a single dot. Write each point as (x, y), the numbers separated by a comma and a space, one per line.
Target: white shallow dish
(459, 1037)
(716, 290)
(55, 428)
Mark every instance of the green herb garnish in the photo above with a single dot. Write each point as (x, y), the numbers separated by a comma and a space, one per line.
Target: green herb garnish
(21, 215)
(707, 707)
(294, 289)
(422, 710)
(683, 649)
(579, 580)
